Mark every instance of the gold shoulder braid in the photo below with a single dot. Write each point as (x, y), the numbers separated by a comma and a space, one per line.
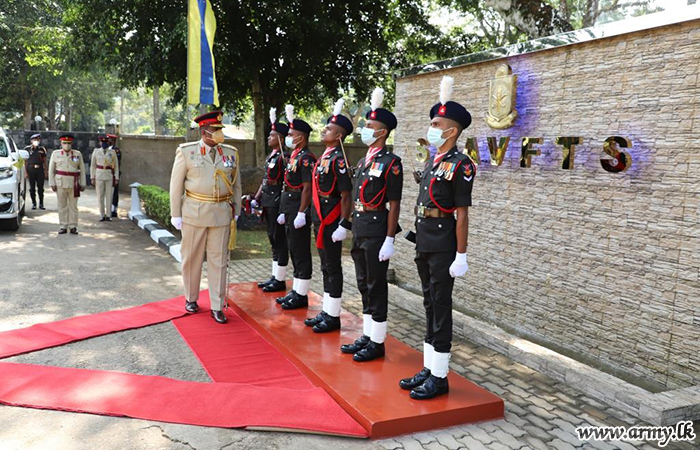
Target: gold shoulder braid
(229, 185)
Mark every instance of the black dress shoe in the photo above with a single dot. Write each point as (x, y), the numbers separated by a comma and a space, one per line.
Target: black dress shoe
(296, 302)
(320, 317)
(289, 296)
(262, 284)
(275, 286)
(114, 214)
(33, 207)
(219, 316)
(41, 207)
(102, 219)
(62, 231)
(73, 231)
(370, 352)
(432, 387)
(191, 307)
(356, 346)
(416, 380)
(108, 219)
(328, 324)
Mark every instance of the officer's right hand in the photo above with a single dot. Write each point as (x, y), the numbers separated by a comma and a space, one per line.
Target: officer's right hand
(254, 203)
(92, 181)
(177, 222)
(387, 250)
(53, 188)
(280, 219)
(300, 220)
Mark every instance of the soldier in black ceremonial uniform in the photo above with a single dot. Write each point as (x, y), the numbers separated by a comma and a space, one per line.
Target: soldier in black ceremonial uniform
(294, 209)
(331, 209)
(269, 196)
(441, 238)
(378, 181)
(112, 140)
(37, 170)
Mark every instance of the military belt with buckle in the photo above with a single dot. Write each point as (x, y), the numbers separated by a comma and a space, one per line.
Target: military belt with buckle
(361, 207)
(267, 182)
(423, 212)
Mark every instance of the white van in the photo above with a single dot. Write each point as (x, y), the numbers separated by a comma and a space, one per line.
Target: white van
(13, 183)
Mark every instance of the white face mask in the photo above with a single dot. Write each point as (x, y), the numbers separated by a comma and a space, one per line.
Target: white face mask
(35, 143)
(435, 138)
(367, 136)
(289, 141)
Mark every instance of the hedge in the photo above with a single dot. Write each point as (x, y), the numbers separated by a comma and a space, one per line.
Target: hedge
(156, 202)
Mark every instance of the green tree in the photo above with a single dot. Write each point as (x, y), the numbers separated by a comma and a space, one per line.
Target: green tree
(306, 52)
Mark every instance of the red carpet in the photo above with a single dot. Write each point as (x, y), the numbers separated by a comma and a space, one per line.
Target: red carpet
(236, 353)
(46, 335)
(168, 400)
(248, 374)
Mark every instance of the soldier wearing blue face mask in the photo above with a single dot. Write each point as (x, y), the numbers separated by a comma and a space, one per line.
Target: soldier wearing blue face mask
(377, 183)
(441, 238)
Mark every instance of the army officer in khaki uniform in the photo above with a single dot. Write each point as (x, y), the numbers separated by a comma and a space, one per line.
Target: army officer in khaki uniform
(205, 192)
(67, 180)
(104, 174)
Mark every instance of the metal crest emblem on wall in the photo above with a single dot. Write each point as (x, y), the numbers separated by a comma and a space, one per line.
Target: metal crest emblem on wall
(502, 113)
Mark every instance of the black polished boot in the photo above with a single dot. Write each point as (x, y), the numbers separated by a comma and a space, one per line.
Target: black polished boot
(62, 231)
(290, 295)
(108, 219)
(114, 214)
(219, 316)
(296, 302)
(356, 346)
(33, 206)
(191, 307)
(262, 284)
(416, 380)
(370, 352)
(73, 231)
(311, 321)
(275, 286)
(328, 324)
(103, 219)
(41, 206)
(432, 387)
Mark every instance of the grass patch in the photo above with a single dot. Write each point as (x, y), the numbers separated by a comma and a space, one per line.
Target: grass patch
(251, 245)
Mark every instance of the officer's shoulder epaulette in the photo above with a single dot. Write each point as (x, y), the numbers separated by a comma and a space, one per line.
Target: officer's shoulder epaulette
(229, 147)
(187, 144)
(393, 156)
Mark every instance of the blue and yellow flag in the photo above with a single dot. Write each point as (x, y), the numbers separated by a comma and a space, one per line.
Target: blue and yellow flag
(201, 80)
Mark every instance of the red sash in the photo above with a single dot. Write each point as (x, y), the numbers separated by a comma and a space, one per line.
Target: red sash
(76, 181)
(332, 216)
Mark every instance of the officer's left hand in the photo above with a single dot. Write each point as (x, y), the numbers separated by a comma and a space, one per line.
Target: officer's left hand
(339, 234)
(254, 203)
(82, 188)
(387, 250)
(459, 266)
(235, 218)
(300, 220)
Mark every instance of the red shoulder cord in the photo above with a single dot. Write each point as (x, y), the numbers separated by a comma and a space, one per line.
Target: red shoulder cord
(279, 171)
(374, 202)
(286, 180)
(430, 192)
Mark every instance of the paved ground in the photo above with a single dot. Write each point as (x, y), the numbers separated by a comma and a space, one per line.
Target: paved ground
(115, 265)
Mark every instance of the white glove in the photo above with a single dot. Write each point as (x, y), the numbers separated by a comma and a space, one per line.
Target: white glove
(280, 219)
(177, 222)
(459, 266)
(254, 203)
(339, 234)
(300, 220)
(387, 250)
(235, 218)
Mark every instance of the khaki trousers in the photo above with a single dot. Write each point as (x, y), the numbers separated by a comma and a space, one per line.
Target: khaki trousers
(195, 240)
(104, 196)
(67, 208)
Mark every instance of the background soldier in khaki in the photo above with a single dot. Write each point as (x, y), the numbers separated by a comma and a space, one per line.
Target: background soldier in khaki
(204, 188)
(67, 180)
(104, 174)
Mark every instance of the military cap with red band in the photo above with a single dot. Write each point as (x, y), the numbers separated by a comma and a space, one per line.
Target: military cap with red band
(210, 119)
(66, 138)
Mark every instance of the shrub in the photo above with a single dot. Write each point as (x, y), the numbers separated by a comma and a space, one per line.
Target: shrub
(156, 203)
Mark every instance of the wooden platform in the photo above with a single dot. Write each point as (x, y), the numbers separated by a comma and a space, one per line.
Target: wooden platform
(368, 391)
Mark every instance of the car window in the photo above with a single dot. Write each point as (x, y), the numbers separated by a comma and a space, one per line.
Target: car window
(3, 148)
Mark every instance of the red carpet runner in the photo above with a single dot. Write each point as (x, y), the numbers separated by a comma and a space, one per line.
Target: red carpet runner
(247, 372)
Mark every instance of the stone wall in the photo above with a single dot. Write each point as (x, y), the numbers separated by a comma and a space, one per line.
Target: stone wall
(601, 266)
